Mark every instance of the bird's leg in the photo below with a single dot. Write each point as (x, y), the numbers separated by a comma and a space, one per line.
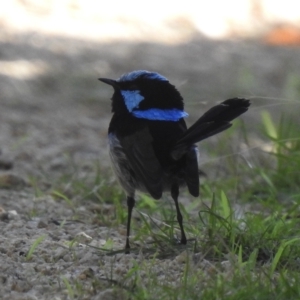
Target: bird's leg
(130, 205)
(175, 194)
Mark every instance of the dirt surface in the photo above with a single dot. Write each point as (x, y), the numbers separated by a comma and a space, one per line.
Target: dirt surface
(53, 122)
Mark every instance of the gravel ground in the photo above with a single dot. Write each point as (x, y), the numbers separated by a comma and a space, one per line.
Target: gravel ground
(54, 117)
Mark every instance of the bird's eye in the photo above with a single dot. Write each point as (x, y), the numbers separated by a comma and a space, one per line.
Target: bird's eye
(133, 87)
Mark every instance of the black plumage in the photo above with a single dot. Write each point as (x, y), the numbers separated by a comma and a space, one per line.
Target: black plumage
(151, 148)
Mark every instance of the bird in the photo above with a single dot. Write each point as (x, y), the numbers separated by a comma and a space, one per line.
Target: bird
(151, 149)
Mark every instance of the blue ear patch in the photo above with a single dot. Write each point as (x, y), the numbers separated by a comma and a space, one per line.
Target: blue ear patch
(157, 114)
(132, 99)
(141, 73)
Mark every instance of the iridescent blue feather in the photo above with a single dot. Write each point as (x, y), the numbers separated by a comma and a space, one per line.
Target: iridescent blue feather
(141, 73)
(157, 114)
(132, 99)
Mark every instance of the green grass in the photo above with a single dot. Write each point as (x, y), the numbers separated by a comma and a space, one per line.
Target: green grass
(253, 254)
(34, 246)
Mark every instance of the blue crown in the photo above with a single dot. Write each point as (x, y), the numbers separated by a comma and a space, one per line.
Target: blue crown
(141, 73)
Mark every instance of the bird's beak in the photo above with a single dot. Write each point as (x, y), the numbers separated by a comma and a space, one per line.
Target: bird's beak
(111, 82)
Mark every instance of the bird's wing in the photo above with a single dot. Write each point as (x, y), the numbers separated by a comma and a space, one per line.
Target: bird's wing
(139, 150)
(191, 171)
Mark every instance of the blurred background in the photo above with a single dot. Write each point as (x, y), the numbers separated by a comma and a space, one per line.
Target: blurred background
(52, 52)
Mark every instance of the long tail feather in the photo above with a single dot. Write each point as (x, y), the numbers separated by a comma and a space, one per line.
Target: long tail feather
(215, 120)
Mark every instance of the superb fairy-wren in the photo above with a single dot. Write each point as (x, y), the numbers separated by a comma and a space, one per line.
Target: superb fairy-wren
(151, 148)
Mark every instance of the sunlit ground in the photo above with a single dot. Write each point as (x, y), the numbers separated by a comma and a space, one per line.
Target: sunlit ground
(152, 21)
(163, 22)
